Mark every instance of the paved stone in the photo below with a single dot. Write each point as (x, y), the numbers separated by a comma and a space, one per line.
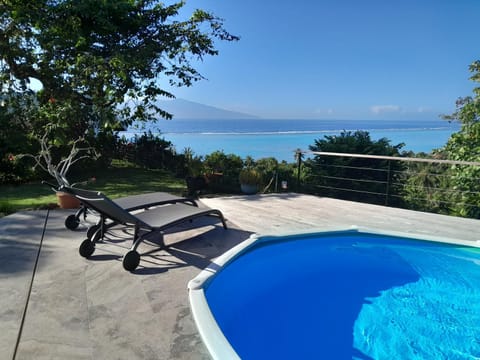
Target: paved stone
(292, 213)
(93, 309)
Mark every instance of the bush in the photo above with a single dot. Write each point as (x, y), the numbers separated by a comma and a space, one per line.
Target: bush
(274, 173)
(14, 172)
(222, 171)
(250, 177)
(336, 176)
(147, 150)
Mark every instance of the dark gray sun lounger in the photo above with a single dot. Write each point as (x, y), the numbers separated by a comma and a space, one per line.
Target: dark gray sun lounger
(145, 223)
(129, 203)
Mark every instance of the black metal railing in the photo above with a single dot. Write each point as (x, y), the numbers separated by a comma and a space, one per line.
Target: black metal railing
(434, 185)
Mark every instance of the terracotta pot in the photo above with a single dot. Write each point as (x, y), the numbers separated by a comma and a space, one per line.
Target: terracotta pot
(67, 201)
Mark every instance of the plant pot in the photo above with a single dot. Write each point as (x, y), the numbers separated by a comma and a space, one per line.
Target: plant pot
(249, 189)
(67, 201)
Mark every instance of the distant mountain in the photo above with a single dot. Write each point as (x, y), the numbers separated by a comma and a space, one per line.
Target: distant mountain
(184, 109)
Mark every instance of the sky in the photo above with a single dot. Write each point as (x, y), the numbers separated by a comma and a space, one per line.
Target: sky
(340, 59)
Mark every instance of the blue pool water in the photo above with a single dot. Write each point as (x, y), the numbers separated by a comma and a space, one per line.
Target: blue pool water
(350, 296)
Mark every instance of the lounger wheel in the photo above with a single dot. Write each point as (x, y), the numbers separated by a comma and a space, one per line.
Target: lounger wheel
(71, 222)
(92, 230)
(131, 260)
(86, 248)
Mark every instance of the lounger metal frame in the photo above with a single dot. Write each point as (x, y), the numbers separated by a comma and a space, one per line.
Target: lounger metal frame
(144, 223)
(129, 203)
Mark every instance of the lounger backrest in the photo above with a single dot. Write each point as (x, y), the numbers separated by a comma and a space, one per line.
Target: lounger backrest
(102, 204)
(79, 192)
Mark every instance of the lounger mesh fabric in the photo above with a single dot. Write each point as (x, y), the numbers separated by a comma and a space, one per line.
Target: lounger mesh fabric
(129, 203)
(150, 221)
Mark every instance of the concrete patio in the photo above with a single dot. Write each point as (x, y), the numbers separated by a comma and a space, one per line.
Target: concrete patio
(67, 307)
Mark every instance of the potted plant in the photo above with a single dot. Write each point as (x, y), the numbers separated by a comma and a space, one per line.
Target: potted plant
(58, 166)
(250, 179)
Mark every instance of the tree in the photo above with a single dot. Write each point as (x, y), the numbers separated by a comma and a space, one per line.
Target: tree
(350, 178)
(222, 171)
(427, 186)
(464, 145)
(99, 62)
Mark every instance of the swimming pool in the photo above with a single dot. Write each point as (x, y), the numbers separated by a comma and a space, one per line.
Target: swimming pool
(340, 295)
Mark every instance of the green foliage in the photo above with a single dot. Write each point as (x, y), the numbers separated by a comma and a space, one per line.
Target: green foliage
(100, 65)
(90, 54)
(274, 172)
(266, 166)
(223, 171)
(152, 151)
(188, 164)
(13, 171)
(358, 142)
(332, 176)
(427, 187)
(13, 140)
(249, 176)
(453, 189)
(465, 146)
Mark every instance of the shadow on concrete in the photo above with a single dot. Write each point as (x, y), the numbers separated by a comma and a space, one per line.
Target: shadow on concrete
(20, 236)
(105, 257)
(198, 251)
(258, 197)
(17, 255)
(185, 246)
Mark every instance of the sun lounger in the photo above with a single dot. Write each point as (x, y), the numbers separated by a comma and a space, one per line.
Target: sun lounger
(152, 221)
(130, 203)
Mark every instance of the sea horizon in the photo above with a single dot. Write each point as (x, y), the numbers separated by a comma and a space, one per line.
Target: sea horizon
(279, 138)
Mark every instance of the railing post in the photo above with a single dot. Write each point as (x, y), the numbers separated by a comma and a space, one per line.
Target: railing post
(387, 190)
(276, 180)
(298, 155)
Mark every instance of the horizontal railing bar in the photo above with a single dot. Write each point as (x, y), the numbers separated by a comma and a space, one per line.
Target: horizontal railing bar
(437, 189)
(396, 180)
(408, 172)
(349, 167)
(352, 179)
(384, 157)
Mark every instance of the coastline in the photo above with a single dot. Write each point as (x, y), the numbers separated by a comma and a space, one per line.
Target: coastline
(280, 138)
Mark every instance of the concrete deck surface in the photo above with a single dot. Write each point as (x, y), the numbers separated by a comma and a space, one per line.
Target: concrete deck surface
(93, 309)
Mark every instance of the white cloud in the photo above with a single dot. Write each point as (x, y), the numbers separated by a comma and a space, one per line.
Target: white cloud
(324, 111)
(423, 109)
(379, 109)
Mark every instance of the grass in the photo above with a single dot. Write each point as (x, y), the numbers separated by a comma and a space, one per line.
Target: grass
(121, 179)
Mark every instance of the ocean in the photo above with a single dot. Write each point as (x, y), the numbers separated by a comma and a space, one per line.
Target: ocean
(261, 138)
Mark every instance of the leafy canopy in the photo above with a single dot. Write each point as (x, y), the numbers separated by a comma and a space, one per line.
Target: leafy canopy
(464, 145)
(335, 174)
(99, 62)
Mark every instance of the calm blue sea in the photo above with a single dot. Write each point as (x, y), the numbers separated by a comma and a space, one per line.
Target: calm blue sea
(279, 138)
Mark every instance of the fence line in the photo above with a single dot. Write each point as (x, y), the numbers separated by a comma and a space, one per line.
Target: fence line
(370, 183)
(384, 157)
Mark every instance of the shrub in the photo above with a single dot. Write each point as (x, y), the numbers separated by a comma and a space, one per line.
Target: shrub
(223, 171)
(250, 177)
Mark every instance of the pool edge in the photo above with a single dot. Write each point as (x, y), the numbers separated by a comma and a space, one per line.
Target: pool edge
(212, 336)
